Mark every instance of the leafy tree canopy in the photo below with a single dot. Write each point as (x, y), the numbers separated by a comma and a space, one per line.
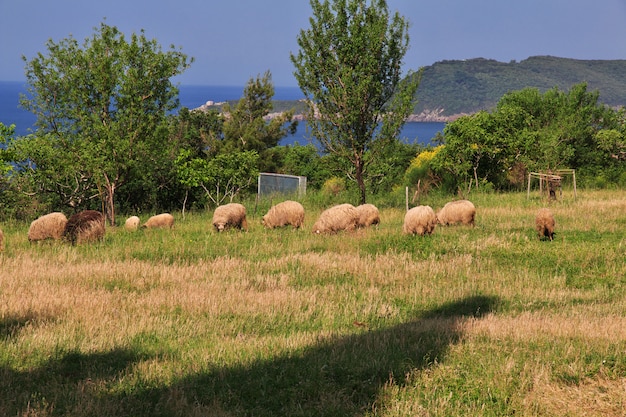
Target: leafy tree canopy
(349, 69)
(99, 109)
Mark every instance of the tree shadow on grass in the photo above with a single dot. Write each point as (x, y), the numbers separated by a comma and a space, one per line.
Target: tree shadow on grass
(337, 377)
(340, 376)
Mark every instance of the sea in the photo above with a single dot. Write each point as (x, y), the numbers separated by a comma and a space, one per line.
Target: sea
(192, 96)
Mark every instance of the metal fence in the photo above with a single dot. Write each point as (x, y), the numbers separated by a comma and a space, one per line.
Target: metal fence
(271, 184)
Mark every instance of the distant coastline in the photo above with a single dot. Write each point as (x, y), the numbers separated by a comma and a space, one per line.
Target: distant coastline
(426, 116)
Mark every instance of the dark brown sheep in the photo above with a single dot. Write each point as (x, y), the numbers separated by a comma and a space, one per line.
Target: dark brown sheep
(85, 226)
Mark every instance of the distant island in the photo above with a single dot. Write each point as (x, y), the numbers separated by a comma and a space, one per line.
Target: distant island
(450, 89)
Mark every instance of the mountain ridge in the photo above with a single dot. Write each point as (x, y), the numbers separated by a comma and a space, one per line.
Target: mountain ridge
(454, 87)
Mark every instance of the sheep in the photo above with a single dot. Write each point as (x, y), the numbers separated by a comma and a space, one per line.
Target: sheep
(159, 221)
(231, 215)
(460, 211)
(284, 214)
(337, 218)
(132, 223)
(544, 223)
(48, 226)
(420, 220)
(85, 226)
(368, 215)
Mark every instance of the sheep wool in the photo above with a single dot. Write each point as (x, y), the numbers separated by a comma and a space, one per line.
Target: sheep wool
(48, 226)
(368, 215)
(132, 223)
(460, 211)
(231, 215)
(420, 220)
(545, 223)
(159, 221)
(337, 218)
(284, 214)
(85, 226)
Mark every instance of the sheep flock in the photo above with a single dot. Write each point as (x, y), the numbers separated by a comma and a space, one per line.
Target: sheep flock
(89, 225)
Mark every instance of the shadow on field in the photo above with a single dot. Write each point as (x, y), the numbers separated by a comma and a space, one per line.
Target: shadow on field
(336, 377)
(340, 376)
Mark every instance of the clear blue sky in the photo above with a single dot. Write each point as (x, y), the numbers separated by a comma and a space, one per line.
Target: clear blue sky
(235, 40)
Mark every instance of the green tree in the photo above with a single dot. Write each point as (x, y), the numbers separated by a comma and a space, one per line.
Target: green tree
(529, 131)
(100, 113)
(246, 127)
(221, 177)
(349, 69)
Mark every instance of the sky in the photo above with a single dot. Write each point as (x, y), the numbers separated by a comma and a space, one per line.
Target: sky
(233, 41)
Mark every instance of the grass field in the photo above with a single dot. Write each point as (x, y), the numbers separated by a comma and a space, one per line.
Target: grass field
(483, 321)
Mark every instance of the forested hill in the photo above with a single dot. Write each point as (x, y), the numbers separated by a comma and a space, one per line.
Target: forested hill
(450, 88)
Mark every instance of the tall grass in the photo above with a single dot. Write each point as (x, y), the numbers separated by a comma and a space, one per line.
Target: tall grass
(483, 321)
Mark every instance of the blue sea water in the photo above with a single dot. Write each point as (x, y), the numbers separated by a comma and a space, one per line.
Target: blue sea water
(192, 96)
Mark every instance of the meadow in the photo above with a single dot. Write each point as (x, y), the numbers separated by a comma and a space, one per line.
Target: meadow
(483, 321)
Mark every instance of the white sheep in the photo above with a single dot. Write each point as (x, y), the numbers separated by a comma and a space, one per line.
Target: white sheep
(159, 221)
(368, 215)
(231, 215)
(460, 211)
(132, 223)
(48, 226)
(337, 218)
(420, 220)
(284, 214)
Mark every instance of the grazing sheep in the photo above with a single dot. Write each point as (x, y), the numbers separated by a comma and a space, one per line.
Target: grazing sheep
(85, 226)
(420, 220)
(284, 214)
(544, 223)
(368, 215)
(132, 223)
(230, 215)
(48, 226)
(159, 221)
(337, 218)
(460, 211)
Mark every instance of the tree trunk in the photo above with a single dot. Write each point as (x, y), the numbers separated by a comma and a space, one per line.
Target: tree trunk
(109, 205)
(358, 165)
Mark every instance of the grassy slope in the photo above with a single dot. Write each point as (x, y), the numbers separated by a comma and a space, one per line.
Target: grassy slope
(487, 321)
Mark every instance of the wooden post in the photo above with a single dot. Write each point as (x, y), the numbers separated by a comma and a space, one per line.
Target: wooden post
(406, 198)
(528, 191)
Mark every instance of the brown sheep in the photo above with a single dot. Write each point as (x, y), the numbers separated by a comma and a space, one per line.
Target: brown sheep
(159, 221)
(460, 211)
(337, 218)
(132, 223)
(420, 220)
(231, 215)
(544, 223)
(368, 215)
(85, 226)
(284, 214)
(48, 226)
